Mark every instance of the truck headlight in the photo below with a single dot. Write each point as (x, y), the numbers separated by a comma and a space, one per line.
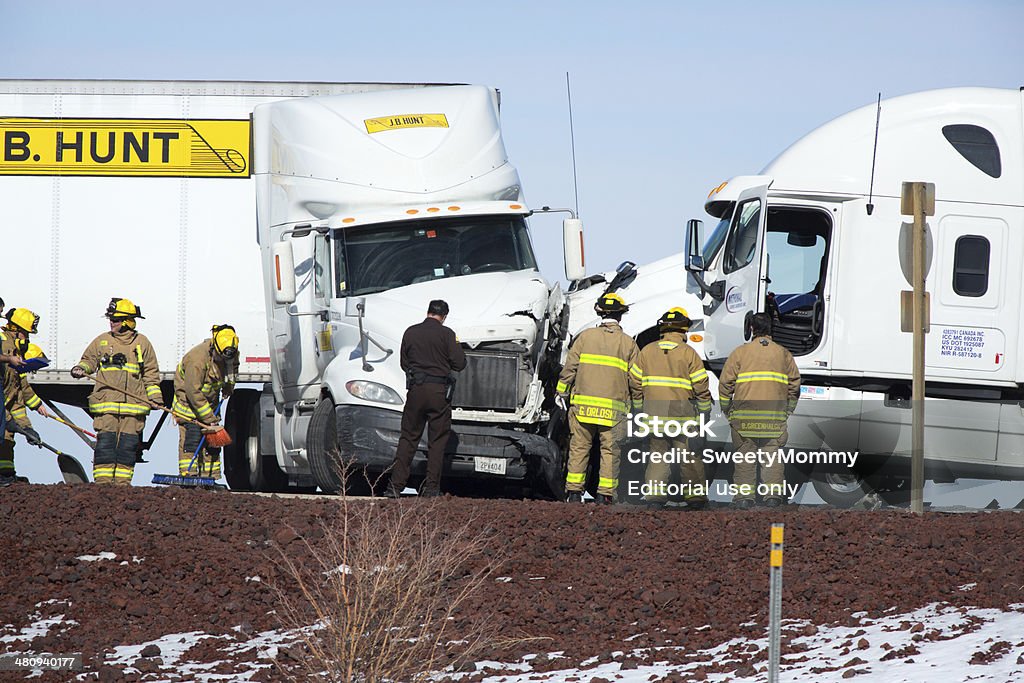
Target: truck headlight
(372, 391)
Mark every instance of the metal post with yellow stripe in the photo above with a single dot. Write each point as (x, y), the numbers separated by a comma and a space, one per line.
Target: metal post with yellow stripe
(775, 602)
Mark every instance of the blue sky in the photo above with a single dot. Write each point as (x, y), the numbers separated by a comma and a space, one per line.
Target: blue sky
(669, 98)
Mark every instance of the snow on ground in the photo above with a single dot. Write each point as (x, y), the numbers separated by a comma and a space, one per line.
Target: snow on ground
(39, 627)
(172, 647)
(937, 642)
(96, 558)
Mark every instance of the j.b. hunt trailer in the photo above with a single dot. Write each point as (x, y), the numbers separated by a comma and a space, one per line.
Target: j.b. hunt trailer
(389, 197)
(812, 241)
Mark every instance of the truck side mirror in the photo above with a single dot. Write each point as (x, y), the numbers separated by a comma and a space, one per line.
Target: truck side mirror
(694, 241)
(283, 259)
(572, 241)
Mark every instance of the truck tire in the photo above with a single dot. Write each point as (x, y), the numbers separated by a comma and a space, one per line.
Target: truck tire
(325, 457)
(322, 444)
(247, 469)
(840, 489)
(236, 421)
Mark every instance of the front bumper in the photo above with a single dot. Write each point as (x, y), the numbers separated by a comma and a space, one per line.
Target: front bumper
(369, 436)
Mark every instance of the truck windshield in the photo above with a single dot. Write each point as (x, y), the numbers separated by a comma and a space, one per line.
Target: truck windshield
(389, 255)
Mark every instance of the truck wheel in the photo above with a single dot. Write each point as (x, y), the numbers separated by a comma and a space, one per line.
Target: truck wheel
(246, 468)
(236, 421)
(325, 457)
(840, 489)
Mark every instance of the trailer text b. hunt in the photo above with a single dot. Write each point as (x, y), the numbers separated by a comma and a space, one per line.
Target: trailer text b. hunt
(129, 147)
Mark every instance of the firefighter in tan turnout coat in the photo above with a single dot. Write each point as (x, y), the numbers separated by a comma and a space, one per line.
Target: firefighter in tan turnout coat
(758, 390)
(127, 386)
(17, 392)
(602, 380)
(205, 374)
(675, 387)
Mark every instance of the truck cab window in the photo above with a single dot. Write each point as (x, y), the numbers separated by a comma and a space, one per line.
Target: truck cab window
(739, 249)
(977, 145)
(797, 240)
(389, 255)
(322, 267)
(715, 240)
(970, 265)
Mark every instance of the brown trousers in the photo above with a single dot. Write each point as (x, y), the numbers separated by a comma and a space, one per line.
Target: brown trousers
(691, 472)
(745, 475)
(581, 436)
(114, 457)
(425, 403)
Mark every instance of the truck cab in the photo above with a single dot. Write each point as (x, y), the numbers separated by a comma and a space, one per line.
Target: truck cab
(369, 206)
(818, 241)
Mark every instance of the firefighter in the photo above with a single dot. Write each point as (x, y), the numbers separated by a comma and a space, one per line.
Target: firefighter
(430, 353)
(206, 375)
(675, 387)
(127, 386)
(18, 394)
(758, 390)
(601, 380)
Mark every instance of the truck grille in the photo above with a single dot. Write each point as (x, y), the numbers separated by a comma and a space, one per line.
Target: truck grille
(489, 382)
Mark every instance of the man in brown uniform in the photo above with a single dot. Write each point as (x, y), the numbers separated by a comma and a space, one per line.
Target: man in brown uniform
(675, 386)
(758, 389)
(126, 373)
(430, 353)
(602, 379)
(205, 374)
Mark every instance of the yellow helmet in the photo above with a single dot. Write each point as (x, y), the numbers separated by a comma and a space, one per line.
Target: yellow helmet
(675, 318)
(225, 341)
(122, 309)
(34, 352)
(610, 302)
(23, 319)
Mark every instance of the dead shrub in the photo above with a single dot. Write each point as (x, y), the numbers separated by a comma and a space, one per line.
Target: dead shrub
(380, 597)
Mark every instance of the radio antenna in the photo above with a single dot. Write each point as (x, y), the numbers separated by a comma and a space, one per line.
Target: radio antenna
(572, 143)
(874, 156)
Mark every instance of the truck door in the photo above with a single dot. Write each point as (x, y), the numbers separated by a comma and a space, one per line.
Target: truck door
(322, 295)
(740, 271)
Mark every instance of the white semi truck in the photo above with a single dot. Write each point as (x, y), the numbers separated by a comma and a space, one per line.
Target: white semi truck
(370, 206)
(386, 195)
(814, 240)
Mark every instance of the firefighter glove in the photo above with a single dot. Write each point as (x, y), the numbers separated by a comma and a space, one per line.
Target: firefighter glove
(32, 436)
(561, 402)
(77, 372)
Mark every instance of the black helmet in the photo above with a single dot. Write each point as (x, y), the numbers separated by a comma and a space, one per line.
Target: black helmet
(675, 319)
(610, 302)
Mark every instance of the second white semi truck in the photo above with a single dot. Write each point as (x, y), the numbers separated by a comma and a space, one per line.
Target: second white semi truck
(814, 240)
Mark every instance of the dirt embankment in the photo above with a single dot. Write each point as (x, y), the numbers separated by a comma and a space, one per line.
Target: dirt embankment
(575, 578)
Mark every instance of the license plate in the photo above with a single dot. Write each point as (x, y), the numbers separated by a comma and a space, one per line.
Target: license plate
(489, 465)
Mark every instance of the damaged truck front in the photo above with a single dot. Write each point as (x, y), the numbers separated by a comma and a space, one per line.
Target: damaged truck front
(370, 206)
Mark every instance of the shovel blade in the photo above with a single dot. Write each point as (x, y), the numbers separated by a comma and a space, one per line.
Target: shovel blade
(72, 470)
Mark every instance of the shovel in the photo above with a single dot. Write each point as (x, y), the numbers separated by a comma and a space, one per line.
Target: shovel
(70, 468)
(218, 438)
